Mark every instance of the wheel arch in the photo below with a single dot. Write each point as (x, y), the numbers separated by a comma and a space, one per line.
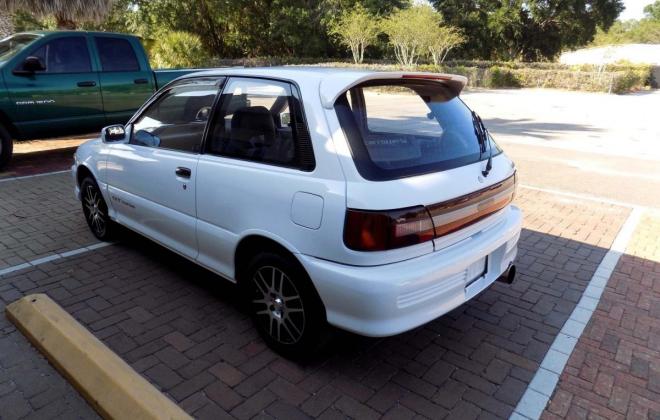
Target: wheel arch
(82, 172)
(253, 243)
(5, 121)
(250, 245)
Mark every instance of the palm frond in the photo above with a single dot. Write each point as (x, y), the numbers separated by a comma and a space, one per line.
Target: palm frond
(74, 10)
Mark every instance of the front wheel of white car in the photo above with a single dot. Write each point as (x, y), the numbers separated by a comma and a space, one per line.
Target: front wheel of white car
(96, 210)
(284, 305)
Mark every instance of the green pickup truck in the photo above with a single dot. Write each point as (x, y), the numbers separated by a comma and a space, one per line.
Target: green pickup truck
(71, 82)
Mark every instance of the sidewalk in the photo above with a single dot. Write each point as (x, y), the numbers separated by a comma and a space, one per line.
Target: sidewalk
(614, 371)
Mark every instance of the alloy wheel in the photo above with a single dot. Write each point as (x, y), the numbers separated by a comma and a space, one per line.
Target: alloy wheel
(93, 205)
(278, 306)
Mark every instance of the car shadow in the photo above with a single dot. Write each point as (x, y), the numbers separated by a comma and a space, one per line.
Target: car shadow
(494, 342)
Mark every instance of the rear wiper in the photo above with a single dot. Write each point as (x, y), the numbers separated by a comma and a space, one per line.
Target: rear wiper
(482, 137)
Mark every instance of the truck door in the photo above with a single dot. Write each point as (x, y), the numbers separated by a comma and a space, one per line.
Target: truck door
(126, 80)
(65, 97)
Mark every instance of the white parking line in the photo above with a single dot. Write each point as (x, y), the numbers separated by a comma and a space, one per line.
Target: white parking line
(53, 257)
(540, 389)
(582, 196)
(16, 178)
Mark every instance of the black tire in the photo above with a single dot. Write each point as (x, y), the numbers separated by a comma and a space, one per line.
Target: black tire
(95, 210)
(6, 147)
(284, 305)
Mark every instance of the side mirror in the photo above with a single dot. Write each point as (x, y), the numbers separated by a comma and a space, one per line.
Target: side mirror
(113, 134)
(31, 65)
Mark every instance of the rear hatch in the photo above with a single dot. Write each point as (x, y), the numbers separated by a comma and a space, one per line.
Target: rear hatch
(424, 171)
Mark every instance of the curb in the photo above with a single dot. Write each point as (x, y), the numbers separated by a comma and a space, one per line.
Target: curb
(109, 384)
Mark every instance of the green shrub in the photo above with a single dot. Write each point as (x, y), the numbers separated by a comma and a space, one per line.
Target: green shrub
(500, 77)
(178, 50)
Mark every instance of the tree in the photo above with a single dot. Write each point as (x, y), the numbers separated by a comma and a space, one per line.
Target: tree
(6, 24)
(443, 40)
(178, 49)
(652, 11)
(357, 29)
(69, 14)
(645, 31)
(527, 29)
(409, 32)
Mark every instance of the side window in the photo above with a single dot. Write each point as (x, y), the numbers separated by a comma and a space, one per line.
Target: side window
(116, 54)
(261, 120)
(177, 119)
(65, 55)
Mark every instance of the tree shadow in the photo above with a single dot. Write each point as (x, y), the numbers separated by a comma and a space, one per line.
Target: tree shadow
(531, 128)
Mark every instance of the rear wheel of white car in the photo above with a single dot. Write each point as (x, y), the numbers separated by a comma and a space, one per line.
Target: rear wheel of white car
(96, 210)
(6, 147)
(284, 305)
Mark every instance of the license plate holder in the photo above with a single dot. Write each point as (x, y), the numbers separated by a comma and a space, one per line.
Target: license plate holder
(478, 281)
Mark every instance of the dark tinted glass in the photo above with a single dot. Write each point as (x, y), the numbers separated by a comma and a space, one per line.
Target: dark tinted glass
(400, 129)
(261, 121)
(116, 54)
(178, 118)
(65, 55)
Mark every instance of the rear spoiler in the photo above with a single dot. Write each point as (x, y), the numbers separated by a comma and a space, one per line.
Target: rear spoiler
(333, 86)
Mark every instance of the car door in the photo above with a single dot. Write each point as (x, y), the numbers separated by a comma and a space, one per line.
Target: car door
(256, 166)
(65, 97)
(126, 80)
(152, 178)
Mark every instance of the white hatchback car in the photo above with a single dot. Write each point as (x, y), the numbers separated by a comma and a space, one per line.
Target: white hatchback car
(374, 202)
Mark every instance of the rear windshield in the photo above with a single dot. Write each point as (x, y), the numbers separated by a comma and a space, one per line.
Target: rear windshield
(399, 129)
(13, 44)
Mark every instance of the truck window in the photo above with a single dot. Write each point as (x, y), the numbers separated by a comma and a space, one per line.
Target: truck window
(65, 55)
(116, 54)
(12, 45)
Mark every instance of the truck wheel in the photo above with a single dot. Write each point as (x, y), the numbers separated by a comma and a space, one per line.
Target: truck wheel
(284, 305)
(6, 147)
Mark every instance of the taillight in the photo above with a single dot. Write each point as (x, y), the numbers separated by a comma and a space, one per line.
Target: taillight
(366, 230)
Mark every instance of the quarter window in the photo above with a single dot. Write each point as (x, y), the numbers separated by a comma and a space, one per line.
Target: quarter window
(116, 54)
(261, 120)
(177, 119)
(65, 55)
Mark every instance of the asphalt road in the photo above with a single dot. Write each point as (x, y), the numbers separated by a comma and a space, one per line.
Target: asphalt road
(587, 143)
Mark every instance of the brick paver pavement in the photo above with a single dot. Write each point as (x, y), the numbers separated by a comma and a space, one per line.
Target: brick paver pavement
(38, 217)
(42, 156)
(614, 371)
(180, 326)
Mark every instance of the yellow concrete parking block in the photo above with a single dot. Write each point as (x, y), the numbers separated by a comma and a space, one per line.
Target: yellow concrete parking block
(110, 385)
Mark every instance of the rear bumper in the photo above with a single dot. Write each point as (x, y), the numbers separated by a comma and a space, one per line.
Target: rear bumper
(393, 298)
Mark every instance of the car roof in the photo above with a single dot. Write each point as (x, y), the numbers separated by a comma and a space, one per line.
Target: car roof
(334, 81)
(74, 31)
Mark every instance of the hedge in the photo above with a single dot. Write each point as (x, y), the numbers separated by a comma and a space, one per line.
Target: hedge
(614, 78)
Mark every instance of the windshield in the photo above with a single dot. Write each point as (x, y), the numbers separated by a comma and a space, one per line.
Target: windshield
(399, 128)
(12, 45)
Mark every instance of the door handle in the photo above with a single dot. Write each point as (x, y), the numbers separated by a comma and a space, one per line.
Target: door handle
(140, 81)
(183, 172)
(88, 83)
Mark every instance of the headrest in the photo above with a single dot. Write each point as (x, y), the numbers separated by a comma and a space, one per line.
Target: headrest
(253, 118)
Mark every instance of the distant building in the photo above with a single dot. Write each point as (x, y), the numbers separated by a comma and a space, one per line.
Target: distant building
(634, 53)
(6, 25)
